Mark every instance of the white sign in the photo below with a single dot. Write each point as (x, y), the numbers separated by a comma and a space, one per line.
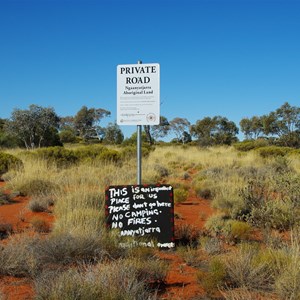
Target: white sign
(138, 94)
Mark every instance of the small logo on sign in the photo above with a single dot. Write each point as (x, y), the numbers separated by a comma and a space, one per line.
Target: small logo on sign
(151, 117)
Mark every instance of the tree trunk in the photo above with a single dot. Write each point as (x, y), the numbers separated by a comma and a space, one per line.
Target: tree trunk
(148, 134)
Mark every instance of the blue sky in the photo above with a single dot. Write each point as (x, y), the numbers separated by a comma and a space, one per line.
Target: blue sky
(231, 58)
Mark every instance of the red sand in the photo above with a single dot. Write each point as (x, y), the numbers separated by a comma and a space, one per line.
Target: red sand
(180, 282)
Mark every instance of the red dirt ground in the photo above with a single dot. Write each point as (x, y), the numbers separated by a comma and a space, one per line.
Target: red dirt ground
(180, 282)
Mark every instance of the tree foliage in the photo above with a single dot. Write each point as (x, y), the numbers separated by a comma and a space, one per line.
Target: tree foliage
(132, 140)
(86, 122)
(6, 139)
(178, 126)
(36, 126)
(155, 132)
(113, 134)
(161, 130)
(283, 124)
(214, 131)
(252, 128)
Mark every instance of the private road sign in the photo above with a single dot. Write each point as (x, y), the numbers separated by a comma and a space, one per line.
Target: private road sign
(138, 94)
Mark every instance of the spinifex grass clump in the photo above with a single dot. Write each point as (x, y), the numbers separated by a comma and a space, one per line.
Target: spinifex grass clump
(17, 257)
(190, 255)
(186, 234)
(40, 203)
(37, 187)
(119, 279)
(38, 177)
(287, 283)
(214, 278)
(244, 271)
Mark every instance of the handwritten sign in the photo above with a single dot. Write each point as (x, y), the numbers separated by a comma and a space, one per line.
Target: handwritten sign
(145, 211)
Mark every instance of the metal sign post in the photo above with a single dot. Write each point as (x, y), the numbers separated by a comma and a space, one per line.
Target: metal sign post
(139, 154)
(139, 150)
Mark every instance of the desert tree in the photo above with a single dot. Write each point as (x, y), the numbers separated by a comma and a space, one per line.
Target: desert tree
(113, 134)
(215, 131)
(35, 127)
(288, 124)
(178, 126)
(186, 137)
(252, 127)
(87, 122)
(283, 125)
(288, 118)
(155, 132)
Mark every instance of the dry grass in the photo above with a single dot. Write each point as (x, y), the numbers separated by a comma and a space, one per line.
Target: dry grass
(287, 284)
(79, 233)
(116, 280)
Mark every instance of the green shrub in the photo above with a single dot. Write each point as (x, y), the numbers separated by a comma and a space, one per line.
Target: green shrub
(58, 155)
(250, 145)
(273, 151)
(215, 224)
(93, 153)
(286, 185)
(9, 141)
(275, 259)
(110, 155)
(236, 231)
(67, 136)
(128, 152)
(89, 152)
(277, 214)
(231, 230)
(180, 195)
(295, 153)
(9, 162)
(212, 280)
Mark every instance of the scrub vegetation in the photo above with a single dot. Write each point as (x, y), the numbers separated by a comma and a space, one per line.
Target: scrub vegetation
(250, 246)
